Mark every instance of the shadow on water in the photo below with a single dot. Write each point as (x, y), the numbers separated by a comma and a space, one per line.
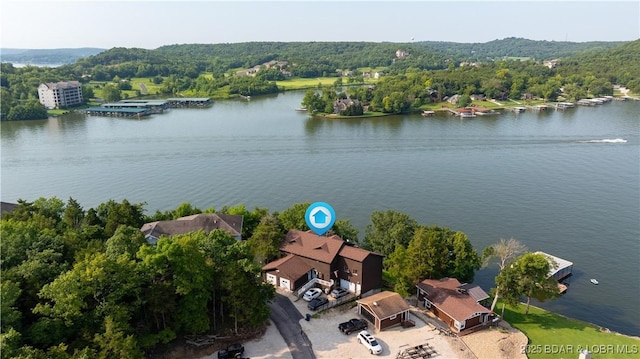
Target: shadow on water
(393, 123)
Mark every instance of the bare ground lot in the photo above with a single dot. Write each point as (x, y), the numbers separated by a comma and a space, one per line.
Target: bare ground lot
(491, 343)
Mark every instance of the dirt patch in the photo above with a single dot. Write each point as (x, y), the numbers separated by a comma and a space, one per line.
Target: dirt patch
(180, 349)
(502, 342)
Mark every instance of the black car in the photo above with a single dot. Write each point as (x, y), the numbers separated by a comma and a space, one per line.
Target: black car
(232, 351)
(317, 303)
(352, 325)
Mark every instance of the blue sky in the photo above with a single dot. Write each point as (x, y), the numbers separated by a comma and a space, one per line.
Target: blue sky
(150, 24)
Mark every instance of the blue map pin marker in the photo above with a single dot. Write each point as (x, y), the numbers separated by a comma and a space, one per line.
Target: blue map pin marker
(320, 217)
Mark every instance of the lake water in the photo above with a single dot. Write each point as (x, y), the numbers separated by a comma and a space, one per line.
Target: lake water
(546, 179)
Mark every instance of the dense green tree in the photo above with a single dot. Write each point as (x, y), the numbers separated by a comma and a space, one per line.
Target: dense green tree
(114, 214)
(527, 276)
(111, 93)
(293, 217)
(398, 266)
(266, 240)
(388, 230)
(464, 101)
(73, 214)
(126, 241)
(250, 219)
(345, 230)
(502, 252)
(10, 314)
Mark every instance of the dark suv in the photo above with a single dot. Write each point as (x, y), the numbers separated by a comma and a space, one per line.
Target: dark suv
(317, 303)
(232, 351)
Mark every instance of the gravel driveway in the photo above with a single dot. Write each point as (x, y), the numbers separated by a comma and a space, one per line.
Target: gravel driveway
(327, 341)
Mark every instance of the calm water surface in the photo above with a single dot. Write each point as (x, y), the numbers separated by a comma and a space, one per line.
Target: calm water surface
(543, 178)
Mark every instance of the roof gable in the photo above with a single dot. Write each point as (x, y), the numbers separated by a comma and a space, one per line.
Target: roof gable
(385, 304)
(356, 254)
(290, 266)
(312, 246)
(198, 222)
(457, 300)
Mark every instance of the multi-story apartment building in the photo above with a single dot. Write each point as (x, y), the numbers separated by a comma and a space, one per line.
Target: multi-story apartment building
(60, 94)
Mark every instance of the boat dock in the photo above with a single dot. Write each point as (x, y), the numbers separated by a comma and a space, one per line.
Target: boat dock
(462, 112)
(118, 112)
(189, 102)
(560, 269)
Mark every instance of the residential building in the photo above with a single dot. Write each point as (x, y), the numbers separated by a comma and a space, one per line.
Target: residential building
(60, 94)
(384, 310)
(401, 53)
(206, 222)
(456, 304)
(308, 256)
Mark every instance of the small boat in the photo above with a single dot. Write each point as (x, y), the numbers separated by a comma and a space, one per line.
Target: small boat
(301, 109)
(428, 113)
(594, 281)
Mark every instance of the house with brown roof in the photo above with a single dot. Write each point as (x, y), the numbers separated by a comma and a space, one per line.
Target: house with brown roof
(206, 222)
(458, 305)
(330, 259)
(384, 310)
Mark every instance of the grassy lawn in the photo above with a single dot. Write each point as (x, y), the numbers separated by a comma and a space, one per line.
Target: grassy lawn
(304, 83)
(555, 336)
(152, 88)
(56, 112)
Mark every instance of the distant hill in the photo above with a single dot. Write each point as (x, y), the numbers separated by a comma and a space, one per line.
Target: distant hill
(517, 47)
(47, 56)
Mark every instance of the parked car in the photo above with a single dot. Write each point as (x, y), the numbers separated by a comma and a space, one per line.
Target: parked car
(352, 325)
(318, 302)
(232, 351)
(312, 294)
(369, 342)
(339, 292)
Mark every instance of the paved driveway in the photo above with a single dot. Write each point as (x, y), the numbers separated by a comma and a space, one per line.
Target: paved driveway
(287, 318)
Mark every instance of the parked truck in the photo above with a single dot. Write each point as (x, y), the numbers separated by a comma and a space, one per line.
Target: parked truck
(353, 325)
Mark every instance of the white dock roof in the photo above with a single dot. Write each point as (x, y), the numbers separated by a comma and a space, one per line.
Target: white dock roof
(562, 263)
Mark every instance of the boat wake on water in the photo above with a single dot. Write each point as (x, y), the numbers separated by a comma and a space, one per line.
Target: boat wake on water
(606, 140)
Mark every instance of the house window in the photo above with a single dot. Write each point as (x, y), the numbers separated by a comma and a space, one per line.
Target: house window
(354, 272)
(427, 303)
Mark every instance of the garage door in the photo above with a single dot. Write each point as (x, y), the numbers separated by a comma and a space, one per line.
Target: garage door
(271, 278)
(354, 287)
(285, 283)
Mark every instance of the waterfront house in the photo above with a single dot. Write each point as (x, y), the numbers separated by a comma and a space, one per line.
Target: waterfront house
(456, 304)
(311, 259)
(206, 222)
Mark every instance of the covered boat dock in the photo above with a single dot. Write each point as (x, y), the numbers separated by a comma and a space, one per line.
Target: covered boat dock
(118, 112)
(189, 102)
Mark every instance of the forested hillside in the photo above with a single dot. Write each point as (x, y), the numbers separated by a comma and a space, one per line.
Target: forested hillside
(517, 47)
(619, 65)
